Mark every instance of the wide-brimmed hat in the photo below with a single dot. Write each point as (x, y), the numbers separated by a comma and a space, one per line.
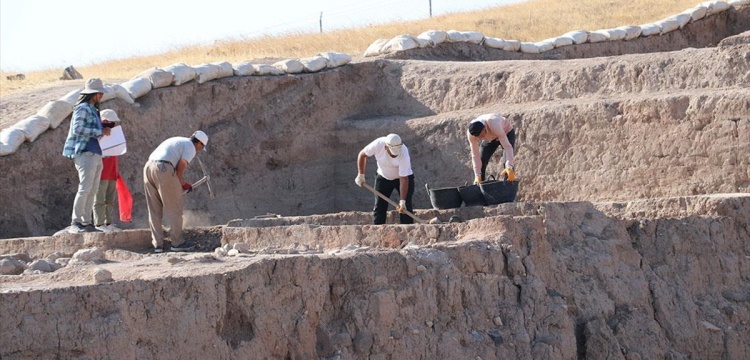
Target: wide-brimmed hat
(394, 144)
(109, 114)
(93, 86)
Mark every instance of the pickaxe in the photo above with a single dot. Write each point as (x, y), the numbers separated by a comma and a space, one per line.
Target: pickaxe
(205, 179)
(380, 195)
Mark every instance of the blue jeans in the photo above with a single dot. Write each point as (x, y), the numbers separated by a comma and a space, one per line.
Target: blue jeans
(89, 166)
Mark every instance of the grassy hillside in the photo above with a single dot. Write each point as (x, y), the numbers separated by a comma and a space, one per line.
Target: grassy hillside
(529, 21)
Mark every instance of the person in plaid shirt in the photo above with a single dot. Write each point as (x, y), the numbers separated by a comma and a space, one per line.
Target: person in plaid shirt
(82, 145)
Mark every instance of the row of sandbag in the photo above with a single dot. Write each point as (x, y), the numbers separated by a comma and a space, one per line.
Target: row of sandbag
(55, 112)
(432, 38)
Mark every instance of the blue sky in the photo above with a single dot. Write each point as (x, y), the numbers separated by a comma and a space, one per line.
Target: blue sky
(43, 34)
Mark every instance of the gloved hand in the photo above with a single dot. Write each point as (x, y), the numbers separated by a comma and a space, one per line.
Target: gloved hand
(477, 179)
(360, 180)
(508, 174)
(401, 206)
(187, 187)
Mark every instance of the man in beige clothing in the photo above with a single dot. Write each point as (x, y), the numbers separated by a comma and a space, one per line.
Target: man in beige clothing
(164, 184)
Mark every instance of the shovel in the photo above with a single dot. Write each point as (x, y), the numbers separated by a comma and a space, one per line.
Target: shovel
(407, 212)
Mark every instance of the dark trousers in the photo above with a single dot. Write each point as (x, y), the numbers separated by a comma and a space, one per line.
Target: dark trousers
(386, 187)
(486, 149)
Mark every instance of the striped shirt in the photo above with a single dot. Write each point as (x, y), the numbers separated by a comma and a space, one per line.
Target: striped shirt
(85, 125)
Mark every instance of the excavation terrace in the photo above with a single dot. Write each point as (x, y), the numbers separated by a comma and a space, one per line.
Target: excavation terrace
(629, 237)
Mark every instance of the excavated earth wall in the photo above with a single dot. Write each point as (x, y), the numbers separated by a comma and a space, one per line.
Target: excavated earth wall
(630, 237)
(658, 278)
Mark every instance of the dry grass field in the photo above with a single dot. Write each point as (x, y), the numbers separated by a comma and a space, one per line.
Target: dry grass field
(528, 21)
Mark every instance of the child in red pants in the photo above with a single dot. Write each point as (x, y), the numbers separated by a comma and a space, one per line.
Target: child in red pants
(104, 203)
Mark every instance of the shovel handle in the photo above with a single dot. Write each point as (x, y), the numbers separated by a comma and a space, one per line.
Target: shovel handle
(380, 195)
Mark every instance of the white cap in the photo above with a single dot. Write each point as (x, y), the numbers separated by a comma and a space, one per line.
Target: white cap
(109, 114)
(394, 144)
(202, 137)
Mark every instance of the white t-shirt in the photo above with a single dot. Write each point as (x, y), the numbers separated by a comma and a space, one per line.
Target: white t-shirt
(388, 167)
(174, 149)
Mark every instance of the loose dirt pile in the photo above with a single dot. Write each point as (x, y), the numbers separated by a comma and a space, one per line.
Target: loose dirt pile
(619, 244)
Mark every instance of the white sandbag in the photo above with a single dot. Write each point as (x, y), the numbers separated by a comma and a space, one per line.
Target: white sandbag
(615, 34)
(56, 111)
(512, 45)
(529, 48)
(375, 48)
(182, 73)
(159, 78)
(72, 96)
(434, 36)
(650, 29)
(473, 37)
(313, 64)
(32, 127)
(667, 25)
(598, 36)
(631, 31)
(290, 66)
(423, 43)
(456, 36)
(578, 36)
(495, 43)
(243, 69)
(335, 59)
(545, 45)
(206, 72)
(137, 87)
(109, 93)
(399, 43)
(736, 3)
(10, 140)
(123, 94)
(697, 13)
(225, 69)
(715, 7)
(682, 19)
(264, 69)
(561, 41)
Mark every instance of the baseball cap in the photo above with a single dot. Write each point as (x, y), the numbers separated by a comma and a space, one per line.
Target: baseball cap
(394, 143)
(202, 137)
(109, 114)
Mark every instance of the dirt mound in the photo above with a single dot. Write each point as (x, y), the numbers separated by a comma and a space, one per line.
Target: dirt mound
(577, 268)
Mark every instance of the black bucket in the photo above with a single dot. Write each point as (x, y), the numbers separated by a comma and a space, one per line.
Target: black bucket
(472, 195)
(444, 198)
(498, 192)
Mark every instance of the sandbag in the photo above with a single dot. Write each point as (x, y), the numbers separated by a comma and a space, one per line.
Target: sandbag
(473, 37)
(243, 69)
(336, 59)
(375, 48)
(578, 36)
(159, 78)
(290, 66)
(10, 140)
(137, 87)
(423, 43)
(122, 93)
(182, 73)
(529, 48)
(399, 43)
(736, 3)
(264, 69)
(512, 45)
(667, 25)
(650, 29)
(598, 36)
(616, 34)
(225, 69)
(206, 72)
(545, 45)
(561, 41)
(682, 19)
(495, 43)
(434, 36)
(32, 126)
(715, 7)
(109, 93)
(313, 64)
(697, 13)
(631, 32)
(456, 36)
(56, 111)
(72, 96)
